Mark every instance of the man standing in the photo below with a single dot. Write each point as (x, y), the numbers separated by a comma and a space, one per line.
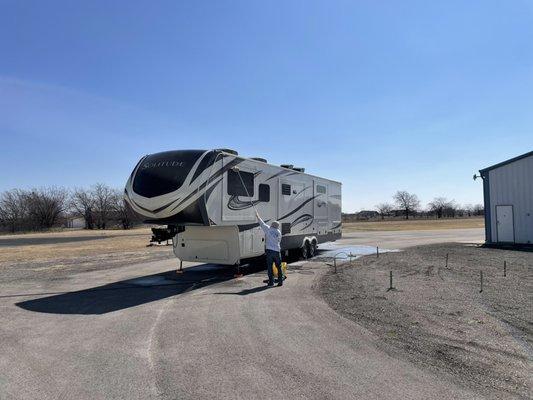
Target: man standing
(272, 244)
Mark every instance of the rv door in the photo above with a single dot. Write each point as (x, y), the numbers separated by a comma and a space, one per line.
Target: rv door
(321, 206)
(291, 196)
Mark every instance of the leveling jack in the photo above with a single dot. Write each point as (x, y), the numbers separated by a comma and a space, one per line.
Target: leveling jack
(238, 274)
(180, 271)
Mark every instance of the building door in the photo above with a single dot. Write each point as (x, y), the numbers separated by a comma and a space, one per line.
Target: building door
(504, 223)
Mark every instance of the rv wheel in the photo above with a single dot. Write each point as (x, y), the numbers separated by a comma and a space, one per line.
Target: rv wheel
(312, 249)
(304, 251)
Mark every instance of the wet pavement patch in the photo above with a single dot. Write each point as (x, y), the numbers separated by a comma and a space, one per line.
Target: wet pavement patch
(331, 250)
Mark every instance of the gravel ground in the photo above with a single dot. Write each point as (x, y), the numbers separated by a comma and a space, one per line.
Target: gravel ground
(436, 316)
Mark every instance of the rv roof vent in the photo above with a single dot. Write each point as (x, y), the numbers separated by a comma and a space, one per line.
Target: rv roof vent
(259, 159)
(288, 166)
(299, 169)
(228, 151)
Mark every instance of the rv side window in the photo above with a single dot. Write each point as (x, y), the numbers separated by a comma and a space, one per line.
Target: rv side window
(320, 189)
(285, 189)
(236, 187)
(264, 192)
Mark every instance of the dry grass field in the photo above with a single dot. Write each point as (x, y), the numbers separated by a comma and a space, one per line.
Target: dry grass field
(66, 244)
(416, 224)
(54, 255)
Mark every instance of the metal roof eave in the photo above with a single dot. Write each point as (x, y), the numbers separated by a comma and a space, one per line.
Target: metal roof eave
(501, 164)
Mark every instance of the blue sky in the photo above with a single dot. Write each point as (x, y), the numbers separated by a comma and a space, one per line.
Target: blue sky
(387, 95)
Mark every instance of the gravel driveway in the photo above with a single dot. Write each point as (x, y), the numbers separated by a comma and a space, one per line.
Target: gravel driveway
(437, 318)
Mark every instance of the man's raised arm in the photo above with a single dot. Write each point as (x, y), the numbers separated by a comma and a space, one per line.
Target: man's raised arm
(262, 224)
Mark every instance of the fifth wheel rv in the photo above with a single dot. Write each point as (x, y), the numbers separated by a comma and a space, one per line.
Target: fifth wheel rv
(207, 198)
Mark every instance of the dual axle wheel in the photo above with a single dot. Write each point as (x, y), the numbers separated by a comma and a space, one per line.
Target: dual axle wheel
(308, 250)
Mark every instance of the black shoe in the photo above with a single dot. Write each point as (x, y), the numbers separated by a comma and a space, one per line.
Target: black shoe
(280, 283)
(270, 284)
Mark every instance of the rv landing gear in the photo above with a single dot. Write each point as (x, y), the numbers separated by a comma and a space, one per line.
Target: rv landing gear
(180, 271)
(238, 273)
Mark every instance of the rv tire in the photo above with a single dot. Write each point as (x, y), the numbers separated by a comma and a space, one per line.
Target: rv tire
(312, 249)
(304, 250)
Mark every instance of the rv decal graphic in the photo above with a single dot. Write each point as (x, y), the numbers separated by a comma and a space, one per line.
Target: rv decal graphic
(247, 227)
(236, 204)
(278, 174)
(137, 205)
(303, 190)
(297, 208)
(165, 206)
(210, 190)
(217, 174)
(303, 219)
(160, 164)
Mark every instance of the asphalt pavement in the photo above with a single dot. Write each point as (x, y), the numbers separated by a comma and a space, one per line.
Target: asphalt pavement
(142, 331)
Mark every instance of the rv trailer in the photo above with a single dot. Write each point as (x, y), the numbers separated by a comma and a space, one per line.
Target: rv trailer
(207, 200)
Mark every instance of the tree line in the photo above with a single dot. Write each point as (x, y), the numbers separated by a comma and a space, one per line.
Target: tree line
(440, 207)
(100, 205)
(47, 207)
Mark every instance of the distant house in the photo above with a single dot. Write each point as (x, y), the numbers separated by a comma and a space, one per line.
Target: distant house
(75, 223)
(508, 196)
(367, 214)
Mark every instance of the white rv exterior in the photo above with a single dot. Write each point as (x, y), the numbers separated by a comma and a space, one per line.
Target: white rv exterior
(203, 198)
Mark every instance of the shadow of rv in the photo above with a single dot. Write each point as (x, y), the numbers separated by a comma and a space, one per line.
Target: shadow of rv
(132, 292)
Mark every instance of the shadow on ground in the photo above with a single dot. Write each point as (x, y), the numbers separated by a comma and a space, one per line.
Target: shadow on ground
(132, 292)
(246, 292)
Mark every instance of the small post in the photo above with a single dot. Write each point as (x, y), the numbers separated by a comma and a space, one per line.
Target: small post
(180, 271)
(505, 268)
(481, 281)
(447, 255)
(390, 282)
(377, 251)
(335, 263)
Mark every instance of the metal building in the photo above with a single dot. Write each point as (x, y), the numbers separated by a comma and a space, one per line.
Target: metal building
(508, 195)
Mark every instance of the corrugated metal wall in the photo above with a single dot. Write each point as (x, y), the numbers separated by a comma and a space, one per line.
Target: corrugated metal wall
(512, 184)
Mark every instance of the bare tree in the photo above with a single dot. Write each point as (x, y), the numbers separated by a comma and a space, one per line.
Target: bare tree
(123, 209)
(384, 209)
(103, 203)
(45, 206)
(406, 201)
(451, 209)
(82, 201)
(479, 209)
(442, 206)
(468, 209)
(13, 208)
